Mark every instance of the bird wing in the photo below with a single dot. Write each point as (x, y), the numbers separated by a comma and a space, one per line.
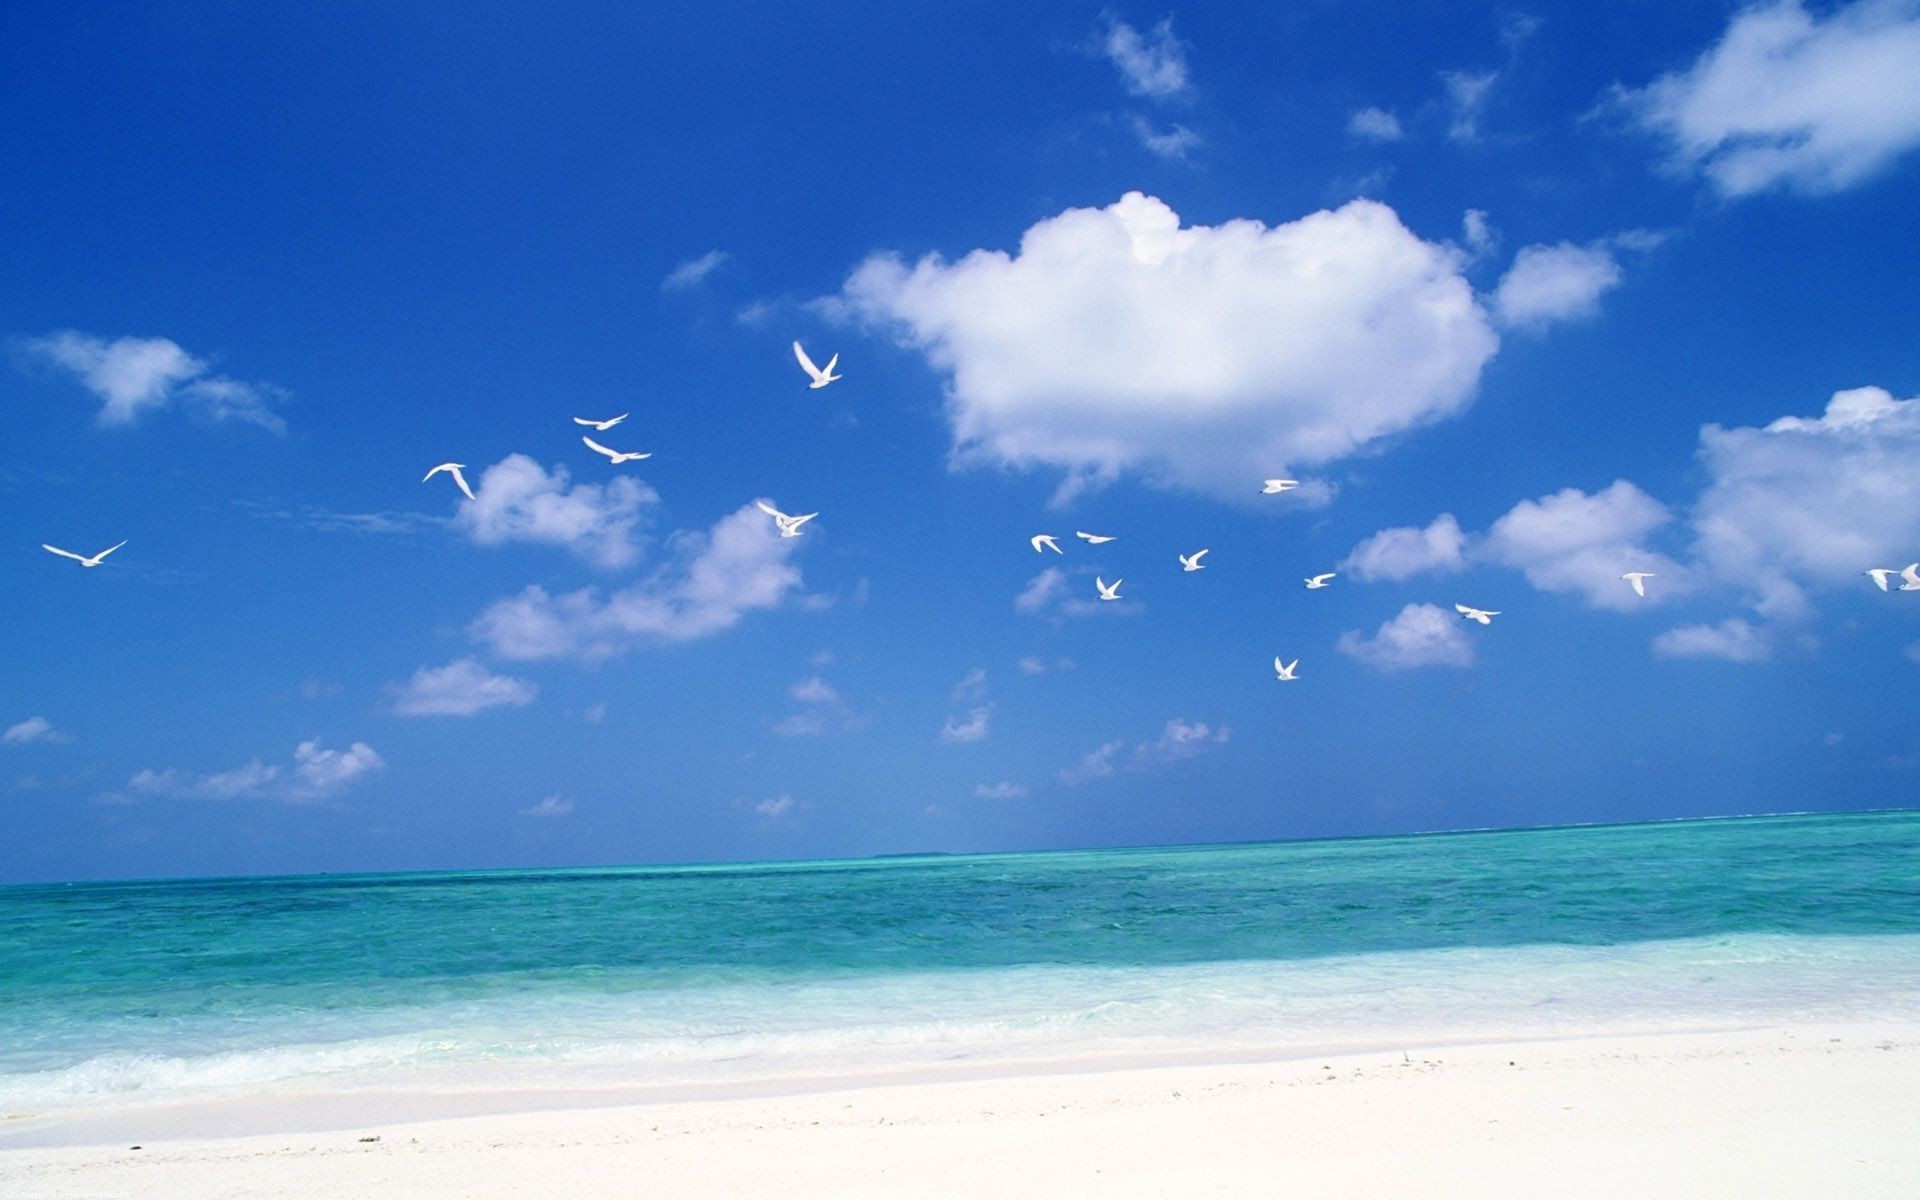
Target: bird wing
(1199, 554)
(1911, 572)
(462, 481)
(585, 421)
(610, 422)
(64, 553)
(1323, 578)
(770, 510)
(1278, 666)
(1639, 583)
(597, 447)
(831, 364)
(806, 364)
(107, 551)
(1463, 610)
(797, 522)
(438, 469)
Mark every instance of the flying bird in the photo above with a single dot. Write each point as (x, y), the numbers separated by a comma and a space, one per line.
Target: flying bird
(1091, 539)
(82, 559)
(1284, 671)
(789, 526)
(820, 378)
(616, 457)
(1045, 539)
(1910, 573)
(1108, 591)
(1275, 486)
(1639, 581)
(1319, 581)
(1191, 562)
(1483, 615)
(1879, 575)
(601, 426)
(454, 469)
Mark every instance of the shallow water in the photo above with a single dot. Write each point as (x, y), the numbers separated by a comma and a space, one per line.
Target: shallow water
(146, 991)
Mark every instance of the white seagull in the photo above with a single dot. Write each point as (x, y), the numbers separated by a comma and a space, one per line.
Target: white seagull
(1284, 671)
(80, 558)
(789, 526)
(1483, 615)
(602, 426)
(454, 469)
(1108, 591)
(1879, 575)
(1040, 540)
(1091, 539)
(820, 378)
(1275, 486)
(1191, 562)
(1319, 581)
(1910, 573)
(616, 457)
(1639, 581)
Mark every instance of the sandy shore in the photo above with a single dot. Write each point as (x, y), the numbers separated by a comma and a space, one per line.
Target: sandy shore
(1788, 1112)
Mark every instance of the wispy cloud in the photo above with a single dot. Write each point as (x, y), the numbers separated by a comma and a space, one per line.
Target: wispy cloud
(32, 730)
(1151, 64)
(554, 805)
(133, 376)
(315, 774)
(459, 689)
(775, 807)
(967, 728)
(717, 577)
(1006, 789)
(693, 272)
(1375, 125)
(1179, 739)
(1466, 101)
(1733, 639)
(1174, 143)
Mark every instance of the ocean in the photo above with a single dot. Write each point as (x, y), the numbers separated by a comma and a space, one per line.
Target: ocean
(118, 994)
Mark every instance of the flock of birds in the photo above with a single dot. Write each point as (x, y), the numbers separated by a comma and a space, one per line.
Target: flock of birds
(789, 525)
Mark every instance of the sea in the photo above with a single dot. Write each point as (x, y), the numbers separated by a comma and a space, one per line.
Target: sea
(115, 994)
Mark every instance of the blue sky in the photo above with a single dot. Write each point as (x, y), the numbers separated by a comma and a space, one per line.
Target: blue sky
(1525, 296)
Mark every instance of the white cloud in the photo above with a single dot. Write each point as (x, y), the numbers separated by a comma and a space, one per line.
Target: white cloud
(1006, 789)
(518, 501)
(972, 686)
(31, 730)
(1573, 542)
(555, 805)
(459, 689)
(1478, 233)
(1732, 639)
(1811, 502)
(1096, 764)
(593, 714)
(1422, 635)
(1180, 739)
(775, 807)
(738, 567)
(1153, 64)
(1375, 124)
(1787, 99)
(971, 728)
(1033, 664)
(315, 774)
(814, 690)
(1115, 340)
(1466, 100)
(134, 375)
(1403, 552)
(1172, 144)
(1913, 652)
(1555, 283)
(691, 273)
(1042, 590)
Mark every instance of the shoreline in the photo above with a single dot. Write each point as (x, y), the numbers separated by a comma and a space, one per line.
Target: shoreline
(1781, 1109)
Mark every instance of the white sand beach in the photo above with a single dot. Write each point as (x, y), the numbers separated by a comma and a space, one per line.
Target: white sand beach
(1784, 1111)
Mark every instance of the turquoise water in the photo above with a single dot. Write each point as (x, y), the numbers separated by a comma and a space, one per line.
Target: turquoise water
(115, 993)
